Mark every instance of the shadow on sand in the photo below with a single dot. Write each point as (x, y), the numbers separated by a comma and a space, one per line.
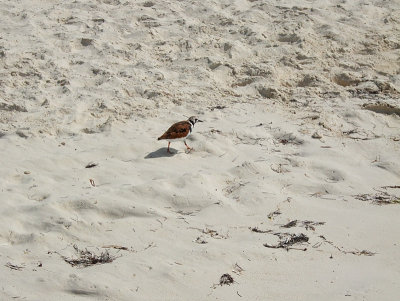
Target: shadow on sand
(160, 153)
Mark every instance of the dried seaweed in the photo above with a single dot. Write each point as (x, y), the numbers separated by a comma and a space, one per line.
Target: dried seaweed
(391, 186)
(217, 108)
(237, 269)
(311, 224)
(214, 234)
(91, 165)
(274, 213)
(358, 253)
(278, 168)
(306, 224)
(380, 198)
(116, 247)
(287, 240)
(288, 138)
(382, 108)
(255, 229)
(226, 279)
(87, 258)
(363, 252)
(13, 266)
(362, 134)
(189, 213)
(200, 240)
(290, 224)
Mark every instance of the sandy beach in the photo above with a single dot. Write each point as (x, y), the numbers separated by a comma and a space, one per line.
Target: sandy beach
(291, 191)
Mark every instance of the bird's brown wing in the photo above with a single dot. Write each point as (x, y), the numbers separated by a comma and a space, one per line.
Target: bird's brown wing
(178, 130)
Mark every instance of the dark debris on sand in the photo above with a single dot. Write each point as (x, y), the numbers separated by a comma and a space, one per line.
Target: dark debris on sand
(91, 165)
(87, 258)
(255, 229)
(287, 240)
(380, 198)
(306, 224)
(226, 279)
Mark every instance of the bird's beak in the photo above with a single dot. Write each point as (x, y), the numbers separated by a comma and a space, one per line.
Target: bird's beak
(198, 120)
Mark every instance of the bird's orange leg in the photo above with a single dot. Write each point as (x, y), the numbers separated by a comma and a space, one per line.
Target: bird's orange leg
(168, 148)
(187, 146)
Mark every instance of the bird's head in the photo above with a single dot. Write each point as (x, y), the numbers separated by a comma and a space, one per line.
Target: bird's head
(194, 119)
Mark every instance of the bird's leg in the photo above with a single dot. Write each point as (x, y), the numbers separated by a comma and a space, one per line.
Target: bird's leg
(168, 148)
(187, 146)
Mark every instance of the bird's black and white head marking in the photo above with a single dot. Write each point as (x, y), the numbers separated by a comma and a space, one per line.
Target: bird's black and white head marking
(193, 120)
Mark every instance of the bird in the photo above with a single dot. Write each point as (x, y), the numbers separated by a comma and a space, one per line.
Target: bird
(180, 131)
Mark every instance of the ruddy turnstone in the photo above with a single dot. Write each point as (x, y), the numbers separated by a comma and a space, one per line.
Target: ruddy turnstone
(180, 131)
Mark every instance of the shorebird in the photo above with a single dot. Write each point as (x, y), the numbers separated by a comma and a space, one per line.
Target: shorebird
(180, 131)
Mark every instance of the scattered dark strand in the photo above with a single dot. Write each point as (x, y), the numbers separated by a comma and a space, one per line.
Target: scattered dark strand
(358, 253)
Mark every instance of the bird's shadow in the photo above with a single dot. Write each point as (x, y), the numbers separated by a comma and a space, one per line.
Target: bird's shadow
(161, 153)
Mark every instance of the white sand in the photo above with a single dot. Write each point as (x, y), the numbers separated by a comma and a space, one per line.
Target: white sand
(99, 81)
